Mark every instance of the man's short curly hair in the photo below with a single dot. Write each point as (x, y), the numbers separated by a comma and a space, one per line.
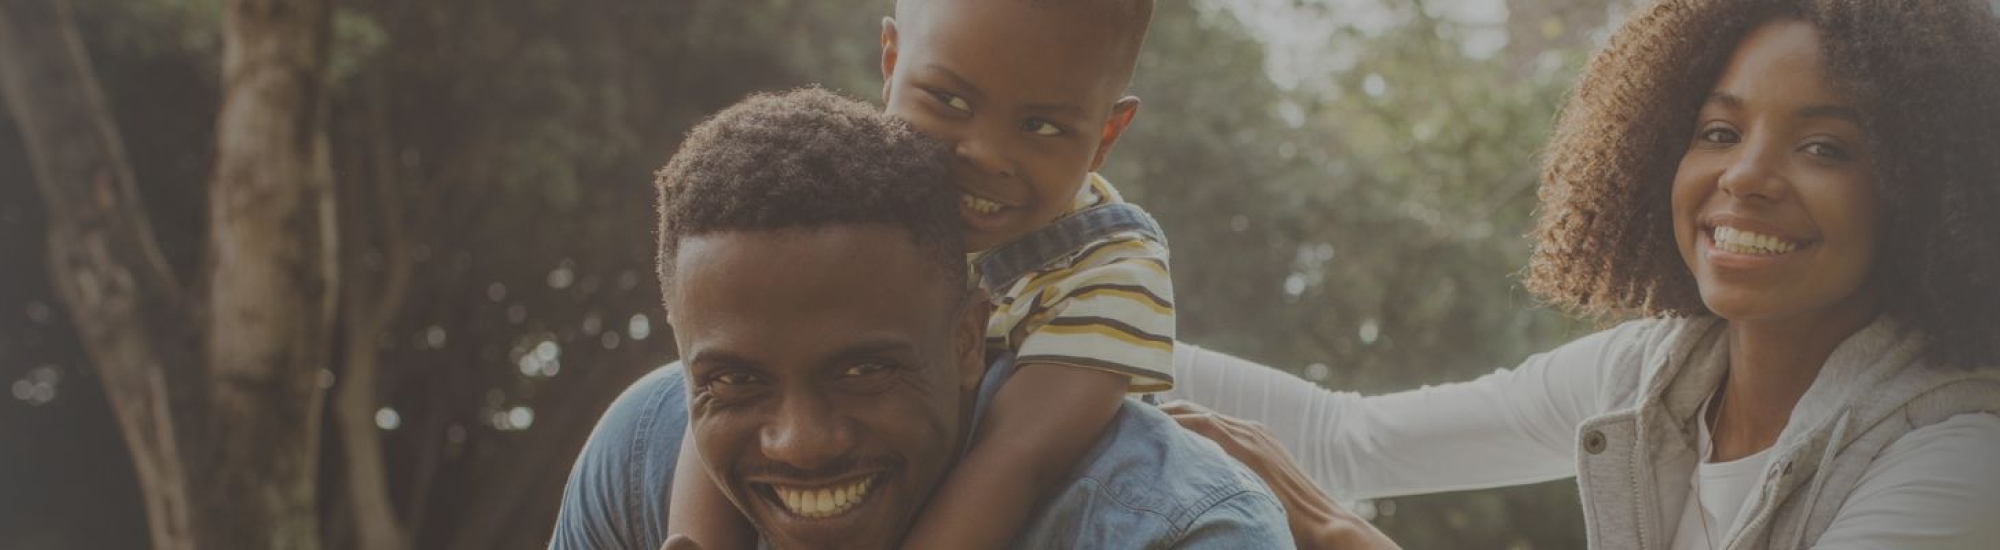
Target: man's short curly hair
(1926, 74)
(809, 158)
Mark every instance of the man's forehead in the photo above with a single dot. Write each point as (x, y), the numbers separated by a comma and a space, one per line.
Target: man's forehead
(800, 284)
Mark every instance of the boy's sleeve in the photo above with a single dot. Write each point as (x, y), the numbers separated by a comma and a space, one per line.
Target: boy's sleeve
(1112, 309)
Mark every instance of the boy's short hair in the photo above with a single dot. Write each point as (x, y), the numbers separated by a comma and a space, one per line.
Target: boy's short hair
(809, 158)
(1927, 74)
(1126, 20)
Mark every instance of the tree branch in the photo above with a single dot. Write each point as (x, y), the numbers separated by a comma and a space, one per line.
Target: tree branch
(370, 308)
(129, 310)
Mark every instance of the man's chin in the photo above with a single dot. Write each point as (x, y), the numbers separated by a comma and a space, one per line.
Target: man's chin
(875, 521)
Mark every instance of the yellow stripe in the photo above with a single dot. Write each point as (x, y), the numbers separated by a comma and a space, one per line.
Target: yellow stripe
(1108, 332)
(1034, 282)
(1127, 294)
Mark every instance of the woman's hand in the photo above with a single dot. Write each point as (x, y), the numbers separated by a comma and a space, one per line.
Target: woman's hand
(680, 542)
(1317, 522)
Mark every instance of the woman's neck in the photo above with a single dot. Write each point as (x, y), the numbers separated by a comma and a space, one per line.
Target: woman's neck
(1771, 365)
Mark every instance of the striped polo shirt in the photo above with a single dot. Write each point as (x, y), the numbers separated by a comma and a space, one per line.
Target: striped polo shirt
(1108, 305)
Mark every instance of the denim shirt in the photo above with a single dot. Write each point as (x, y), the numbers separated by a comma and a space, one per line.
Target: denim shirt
(1146, 484)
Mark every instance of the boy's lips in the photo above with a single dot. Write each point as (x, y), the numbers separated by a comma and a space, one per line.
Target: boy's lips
(984, 214)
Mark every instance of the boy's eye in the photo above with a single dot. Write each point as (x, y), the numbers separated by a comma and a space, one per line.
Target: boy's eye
(1041, 127)
(1827, 150)
(952, 101)
(1720, 135)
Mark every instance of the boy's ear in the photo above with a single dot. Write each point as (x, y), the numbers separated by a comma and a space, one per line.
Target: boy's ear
(888, 55)
(969, 337)
(1122, 114)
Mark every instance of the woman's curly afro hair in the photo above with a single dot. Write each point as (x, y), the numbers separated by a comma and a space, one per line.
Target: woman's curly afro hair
(1926, 74)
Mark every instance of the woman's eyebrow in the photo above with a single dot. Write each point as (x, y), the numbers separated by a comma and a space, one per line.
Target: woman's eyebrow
(1725, 99)
(1824, 110)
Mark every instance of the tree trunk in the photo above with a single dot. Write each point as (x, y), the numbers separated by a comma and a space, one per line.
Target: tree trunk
(129, 311)
(371, 299)
(222, 418)
(272, 276)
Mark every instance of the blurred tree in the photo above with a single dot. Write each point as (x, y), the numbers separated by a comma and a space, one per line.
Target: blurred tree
(216, 386)
(1348, 208)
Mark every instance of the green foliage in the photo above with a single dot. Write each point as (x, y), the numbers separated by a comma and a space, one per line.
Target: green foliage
(1351, 210)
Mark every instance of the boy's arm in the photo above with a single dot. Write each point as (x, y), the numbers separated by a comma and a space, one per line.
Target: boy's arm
(700, 510)
(1044, 419)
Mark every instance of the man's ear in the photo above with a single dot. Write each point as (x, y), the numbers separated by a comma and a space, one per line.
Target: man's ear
(1122, 114)
(969, 338)
(888, 55)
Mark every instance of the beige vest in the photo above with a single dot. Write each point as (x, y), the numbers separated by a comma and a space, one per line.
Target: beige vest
(1634, 463)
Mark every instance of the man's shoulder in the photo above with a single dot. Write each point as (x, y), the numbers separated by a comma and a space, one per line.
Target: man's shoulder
(1145, 458)
(1148, 483)
(618, 489)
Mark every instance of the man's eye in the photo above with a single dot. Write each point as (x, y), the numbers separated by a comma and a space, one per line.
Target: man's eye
(1041, 127)
(1720, 135)
(864, 369)
(952, 101)
(1825, 150)
(734, 378)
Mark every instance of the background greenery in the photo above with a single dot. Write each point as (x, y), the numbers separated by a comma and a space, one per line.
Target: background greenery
(1345, 184)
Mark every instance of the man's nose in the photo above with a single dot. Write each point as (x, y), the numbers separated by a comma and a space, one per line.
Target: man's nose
(807, 434)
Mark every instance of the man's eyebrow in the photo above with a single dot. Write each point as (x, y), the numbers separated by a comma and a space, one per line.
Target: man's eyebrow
(711, 356)
(883, 345)
(970, 88)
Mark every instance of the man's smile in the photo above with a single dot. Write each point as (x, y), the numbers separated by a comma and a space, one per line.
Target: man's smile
(819, 501)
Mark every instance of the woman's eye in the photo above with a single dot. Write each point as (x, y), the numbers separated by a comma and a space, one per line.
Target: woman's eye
(1719, 135)
(864, 369)
(1041, 127)
(1825, 150)
(952, 101)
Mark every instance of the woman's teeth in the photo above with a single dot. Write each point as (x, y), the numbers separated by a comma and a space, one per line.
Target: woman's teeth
(1739, 241)
(823, 503)
(980, 205)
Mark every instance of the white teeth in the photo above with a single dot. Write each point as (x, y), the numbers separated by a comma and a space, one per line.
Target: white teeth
(823, 503)
(1747, 242)
(980, 205)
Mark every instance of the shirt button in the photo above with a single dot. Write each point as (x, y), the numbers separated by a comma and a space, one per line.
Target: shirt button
(1593, 442)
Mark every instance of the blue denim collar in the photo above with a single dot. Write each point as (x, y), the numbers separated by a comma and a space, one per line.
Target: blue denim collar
(1004, 264)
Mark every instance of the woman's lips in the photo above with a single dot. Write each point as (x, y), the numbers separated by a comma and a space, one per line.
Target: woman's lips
(1749, 242)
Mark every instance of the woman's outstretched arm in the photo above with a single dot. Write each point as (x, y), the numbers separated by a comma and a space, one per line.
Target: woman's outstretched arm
(1510, 427)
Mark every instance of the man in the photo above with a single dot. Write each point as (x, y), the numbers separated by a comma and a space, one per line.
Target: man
(811, 261)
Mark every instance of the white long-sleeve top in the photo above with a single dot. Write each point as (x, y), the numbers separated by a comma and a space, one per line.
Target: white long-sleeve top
(1938, 487)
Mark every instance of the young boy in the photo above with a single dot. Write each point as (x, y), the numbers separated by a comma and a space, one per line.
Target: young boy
(1030, 93)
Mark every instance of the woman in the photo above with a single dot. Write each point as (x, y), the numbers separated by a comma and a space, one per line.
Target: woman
(1802, 198)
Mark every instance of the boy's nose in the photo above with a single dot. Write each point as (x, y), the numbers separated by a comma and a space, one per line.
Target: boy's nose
(984, 159)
